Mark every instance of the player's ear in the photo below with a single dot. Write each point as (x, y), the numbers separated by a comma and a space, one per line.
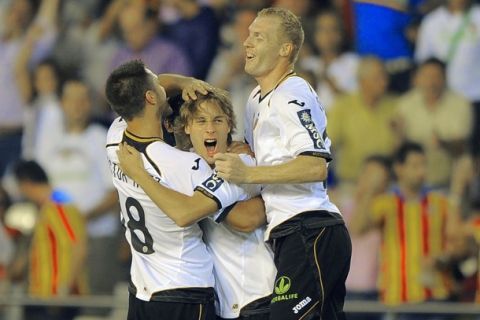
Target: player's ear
(286, 49)
(150, 97)
(187, 128)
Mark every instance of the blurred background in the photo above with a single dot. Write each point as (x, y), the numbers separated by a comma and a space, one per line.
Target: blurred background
(400, 80)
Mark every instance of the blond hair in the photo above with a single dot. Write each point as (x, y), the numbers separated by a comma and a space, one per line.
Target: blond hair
(291, 28)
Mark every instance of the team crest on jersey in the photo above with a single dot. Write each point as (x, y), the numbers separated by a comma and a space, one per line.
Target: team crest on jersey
(213, 183)
(306, 119)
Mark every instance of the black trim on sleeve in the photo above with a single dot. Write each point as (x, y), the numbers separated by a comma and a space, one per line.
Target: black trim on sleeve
(112, 145)
(209, 195)
(327, 156)
(221, 217)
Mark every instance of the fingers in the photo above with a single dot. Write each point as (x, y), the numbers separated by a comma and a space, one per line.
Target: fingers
(197, 86)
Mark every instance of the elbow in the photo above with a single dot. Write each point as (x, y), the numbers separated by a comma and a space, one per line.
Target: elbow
(184, 221)
(249, 224)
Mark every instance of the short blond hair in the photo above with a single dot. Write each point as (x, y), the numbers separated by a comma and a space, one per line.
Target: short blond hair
(291, 27)
(217, 96)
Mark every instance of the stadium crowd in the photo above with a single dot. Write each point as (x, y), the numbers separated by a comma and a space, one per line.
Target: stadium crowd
(400, 81)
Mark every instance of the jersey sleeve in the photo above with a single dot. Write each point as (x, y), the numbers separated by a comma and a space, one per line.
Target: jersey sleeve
(303, 124)
(221, 191)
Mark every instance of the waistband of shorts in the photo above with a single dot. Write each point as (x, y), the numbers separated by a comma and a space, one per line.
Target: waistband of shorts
(309, 220)
(259, 306)
(182, 295)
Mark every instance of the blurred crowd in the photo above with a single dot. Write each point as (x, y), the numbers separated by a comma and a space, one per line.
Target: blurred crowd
(400, 81)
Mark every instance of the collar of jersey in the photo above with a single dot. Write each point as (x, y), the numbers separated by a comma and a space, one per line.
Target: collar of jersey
(141, 139)
(285, 77)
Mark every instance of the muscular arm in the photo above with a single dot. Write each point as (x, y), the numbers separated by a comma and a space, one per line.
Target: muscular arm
(246, 216)
(303, 169)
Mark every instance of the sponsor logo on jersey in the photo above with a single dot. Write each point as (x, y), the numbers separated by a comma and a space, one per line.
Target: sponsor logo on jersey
(282, 286)
(307, 122)
(301, 305)
(298, 103)
(213, 183)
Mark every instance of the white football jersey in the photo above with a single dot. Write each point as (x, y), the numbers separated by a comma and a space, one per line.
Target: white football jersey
(242, 262)
(164, 255)
(287, 122)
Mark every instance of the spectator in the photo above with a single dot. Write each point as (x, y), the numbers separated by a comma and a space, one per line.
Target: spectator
(450, 33)
(414, 224)
(360, 124)
(362, 279)
(58, 244)
(197, 33)
(75, 159)
(334, 69)
(44, 111)
(438, 119)
(227, 68)
(139, 30)
(19, 32)
(381, 30)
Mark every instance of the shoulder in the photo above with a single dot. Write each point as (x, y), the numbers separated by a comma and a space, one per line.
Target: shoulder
(456, 100)
(115, 131)
(168, 156)
(294, 90)
(408, 100)
(349, 58)
(436, 16)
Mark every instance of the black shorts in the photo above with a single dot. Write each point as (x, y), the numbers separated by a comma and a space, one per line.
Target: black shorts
(159, 310)
(255, 310)
(312, 266)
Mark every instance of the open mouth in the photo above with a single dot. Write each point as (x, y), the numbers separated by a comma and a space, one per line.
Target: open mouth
(211, 146)
(249, 56)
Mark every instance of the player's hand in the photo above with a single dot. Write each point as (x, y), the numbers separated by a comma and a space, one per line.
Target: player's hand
(230, 167)
(240, 147)
(192, 87)
(130, 161)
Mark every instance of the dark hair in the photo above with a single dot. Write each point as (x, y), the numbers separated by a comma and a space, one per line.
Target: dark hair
(435, 61)
(405, 149)
(379, 159)
(126, 87)
(29, 170)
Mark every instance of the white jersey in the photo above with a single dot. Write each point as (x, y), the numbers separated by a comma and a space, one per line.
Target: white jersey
(287, 122)
(164, 255)
(243, 263)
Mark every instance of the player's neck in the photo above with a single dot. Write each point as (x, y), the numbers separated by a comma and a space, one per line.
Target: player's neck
(271, 80)
(145, 127)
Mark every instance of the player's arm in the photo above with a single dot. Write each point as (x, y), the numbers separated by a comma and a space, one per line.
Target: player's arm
(302, 169)
(182, 209)
(189, 87)
(246, 216)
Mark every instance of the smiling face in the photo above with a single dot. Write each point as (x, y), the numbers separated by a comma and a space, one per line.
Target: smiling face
(262, 46)
(208, 128)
